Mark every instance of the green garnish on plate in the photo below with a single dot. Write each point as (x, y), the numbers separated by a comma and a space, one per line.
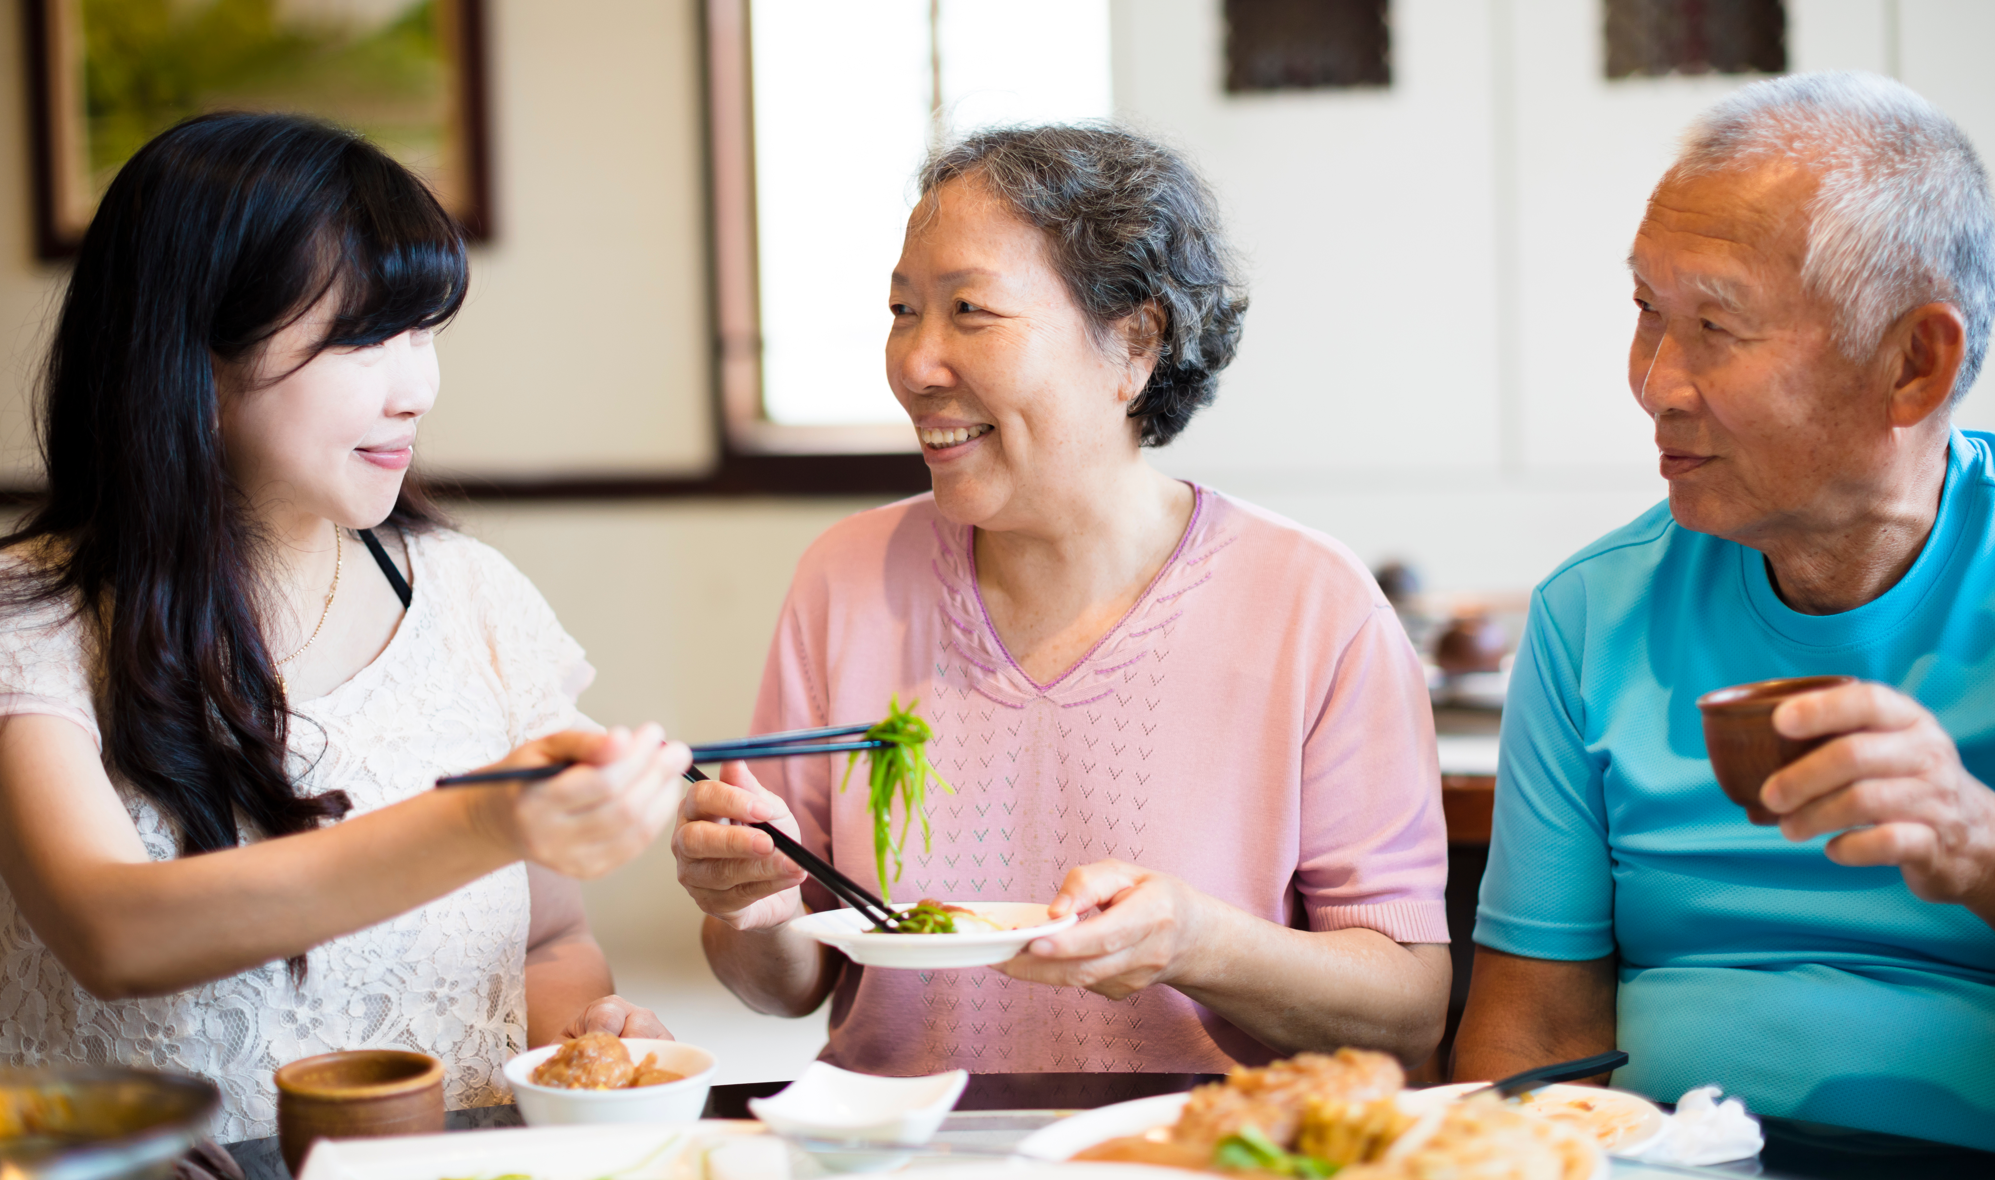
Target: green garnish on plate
(1249, 1150)
(924, 917)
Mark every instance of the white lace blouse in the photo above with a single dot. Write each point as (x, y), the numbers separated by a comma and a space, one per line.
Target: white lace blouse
(477, 666)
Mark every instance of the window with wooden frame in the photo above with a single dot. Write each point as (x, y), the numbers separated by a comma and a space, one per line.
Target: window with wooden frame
(820, 113)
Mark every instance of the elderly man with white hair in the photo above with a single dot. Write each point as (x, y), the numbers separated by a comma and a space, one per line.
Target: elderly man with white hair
(1813, 280)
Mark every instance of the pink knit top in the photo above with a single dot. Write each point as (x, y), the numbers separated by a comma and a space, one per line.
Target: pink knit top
(1257, 725)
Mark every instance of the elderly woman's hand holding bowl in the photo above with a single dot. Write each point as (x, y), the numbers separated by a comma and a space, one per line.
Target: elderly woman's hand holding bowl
(1196, 721)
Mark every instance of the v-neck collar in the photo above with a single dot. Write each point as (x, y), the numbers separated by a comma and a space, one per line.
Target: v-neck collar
(997, 640)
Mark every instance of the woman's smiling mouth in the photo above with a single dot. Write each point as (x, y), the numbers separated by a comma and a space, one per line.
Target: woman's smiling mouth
(394, 458)
(942, 440)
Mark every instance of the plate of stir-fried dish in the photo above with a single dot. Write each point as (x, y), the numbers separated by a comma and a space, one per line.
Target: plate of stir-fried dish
(1346, 1114)
(934, 934)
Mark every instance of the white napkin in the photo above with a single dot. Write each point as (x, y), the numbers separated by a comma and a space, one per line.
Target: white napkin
(1705, 1131)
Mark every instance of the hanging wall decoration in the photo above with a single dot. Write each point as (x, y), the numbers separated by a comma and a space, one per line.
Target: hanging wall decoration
(1658, 37)
(107, 75)
(1307, 44)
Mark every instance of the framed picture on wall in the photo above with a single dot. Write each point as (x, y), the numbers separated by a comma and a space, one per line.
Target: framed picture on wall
(108, 75)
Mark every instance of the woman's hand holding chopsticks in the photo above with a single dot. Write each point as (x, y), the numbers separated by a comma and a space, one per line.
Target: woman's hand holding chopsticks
(597, 814)
(749, 891)
(734, 872)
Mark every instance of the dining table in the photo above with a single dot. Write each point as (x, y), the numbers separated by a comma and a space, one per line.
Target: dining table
(997, 1111)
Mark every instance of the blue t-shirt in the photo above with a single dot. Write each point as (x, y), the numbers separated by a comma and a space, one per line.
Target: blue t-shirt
(1812, 990)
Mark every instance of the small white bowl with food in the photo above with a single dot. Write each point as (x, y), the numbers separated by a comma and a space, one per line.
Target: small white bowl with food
(599, 1078)
(979, 933)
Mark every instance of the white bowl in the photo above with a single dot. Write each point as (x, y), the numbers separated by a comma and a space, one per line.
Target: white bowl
(847, 930)
(827, 1102)
(672, 1102)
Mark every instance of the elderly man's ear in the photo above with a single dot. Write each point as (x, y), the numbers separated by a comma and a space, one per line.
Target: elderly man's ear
(1929, 343)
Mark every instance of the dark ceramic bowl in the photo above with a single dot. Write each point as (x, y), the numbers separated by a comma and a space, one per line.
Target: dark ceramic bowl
(1740, 739)
(361, 1094)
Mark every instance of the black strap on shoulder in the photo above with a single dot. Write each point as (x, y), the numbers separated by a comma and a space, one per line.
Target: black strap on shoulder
(387, 565)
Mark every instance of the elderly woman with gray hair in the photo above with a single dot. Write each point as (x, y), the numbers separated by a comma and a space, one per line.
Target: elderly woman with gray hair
(1813, 283)
(1193, 721)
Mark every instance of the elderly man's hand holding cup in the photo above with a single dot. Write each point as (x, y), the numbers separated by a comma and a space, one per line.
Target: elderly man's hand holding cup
(1890, 780)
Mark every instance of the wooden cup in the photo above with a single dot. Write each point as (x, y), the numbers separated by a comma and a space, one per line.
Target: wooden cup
(1743, 746)
(358, 1094)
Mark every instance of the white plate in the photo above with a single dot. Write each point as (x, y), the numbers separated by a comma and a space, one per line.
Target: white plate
(1016, 1171)
(1643, 1119)
(655, 1152)
(1072, 1135)
(848, 931)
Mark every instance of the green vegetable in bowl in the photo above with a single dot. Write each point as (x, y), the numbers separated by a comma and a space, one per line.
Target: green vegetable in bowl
(899, 769)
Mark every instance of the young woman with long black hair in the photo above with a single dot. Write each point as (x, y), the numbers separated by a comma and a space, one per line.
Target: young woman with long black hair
(237, 646)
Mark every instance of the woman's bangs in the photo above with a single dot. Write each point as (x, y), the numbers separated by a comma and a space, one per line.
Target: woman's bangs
(401, 261)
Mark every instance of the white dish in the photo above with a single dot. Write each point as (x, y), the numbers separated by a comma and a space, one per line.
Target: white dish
(848, 931)
(831, 1103)
(1014, 1171)
(652, 1152)
(671, 1102)
(1631, 1122)
(1063, 1140)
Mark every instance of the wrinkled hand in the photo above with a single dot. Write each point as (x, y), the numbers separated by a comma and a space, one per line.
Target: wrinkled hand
(733, 871)
(1145, 934)
(597, 815)
(618, 1017)
(1893, 785)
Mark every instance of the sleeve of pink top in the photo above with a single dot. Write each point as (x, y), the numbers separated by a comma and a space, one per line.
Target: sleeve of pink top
(792, 697)
(1374, 843)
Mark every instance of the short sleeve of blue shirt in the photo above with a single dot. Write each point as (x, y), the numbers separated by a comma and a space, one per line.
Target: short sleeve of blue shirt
(1812, 989)
(1558, 821)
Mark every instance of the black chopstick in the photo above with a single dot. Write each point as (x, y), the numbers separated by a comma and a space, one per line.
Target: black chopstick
(747, 749)
(750, 751)
(1564, 1071)
(851, 892)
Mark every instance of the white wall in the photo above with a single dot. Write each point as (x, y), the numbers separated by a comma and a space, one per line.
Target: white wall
(1432, 367)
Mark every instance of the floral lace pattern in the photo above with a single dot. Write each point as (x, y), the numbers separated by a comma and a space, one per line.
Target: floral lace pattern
(477, 666)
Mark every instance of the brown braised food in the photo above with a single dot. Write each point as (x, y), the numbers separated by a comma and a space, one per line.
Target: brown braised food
(599, 1061)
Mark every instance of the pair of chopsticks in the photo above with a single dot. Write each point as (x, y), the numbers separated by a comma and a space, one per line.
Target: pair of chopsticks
(790, 744)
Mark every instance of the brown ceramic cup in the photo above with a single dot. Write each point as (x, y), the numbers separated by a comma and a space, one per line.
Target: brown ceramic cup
(359, 1094)
(1740, 739)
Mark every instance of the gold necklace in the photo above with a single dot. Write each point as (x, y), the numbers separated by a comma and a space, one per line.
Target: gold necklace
(339, 561)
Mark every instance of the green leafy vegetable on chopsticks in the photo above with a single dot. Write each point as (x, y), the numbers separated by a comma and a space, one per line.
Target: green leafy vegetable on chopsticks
(900, 769)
